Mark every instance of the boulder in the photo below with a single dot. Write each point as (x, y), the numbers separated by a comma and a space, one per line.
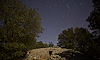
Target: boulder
(54, 53)
(37, 54)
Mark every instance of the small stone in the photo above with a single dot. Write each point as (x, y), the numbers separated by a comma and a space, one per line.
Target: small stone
(70, 53)
(34, 57)
(73, 54)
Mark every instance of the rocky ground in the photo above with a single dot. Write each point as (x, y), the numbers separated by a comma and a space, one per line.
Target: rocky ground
(54, 53)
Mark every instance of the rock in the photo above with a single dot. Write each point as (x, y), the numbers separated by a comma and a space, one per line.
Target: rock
(38, 54)
(34, 57)
(53, 53)
(56, 57)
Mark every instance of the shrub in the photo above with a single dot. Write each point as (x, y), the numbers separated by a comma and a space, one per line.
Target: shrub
(12, 51)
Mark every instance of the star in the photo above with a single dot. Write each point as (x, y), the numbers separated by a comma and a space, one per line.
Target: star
(74, 3)
(63, 16)
(75, 12)
(68, 6)
(56, 15)
(77, 16)
(80, 3)
(50, 18)
(60, 5)
(50, 5)
(55, 5)
(56, 21)
(50, 22)
(62, 29)
(47, 6)
(49, 29)
(42, 13)
(59, 0)
(68, 10)
(68, 2)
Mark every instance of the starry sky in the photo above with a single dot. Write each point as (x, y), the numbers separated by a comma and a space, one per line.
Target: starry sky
(58, 15)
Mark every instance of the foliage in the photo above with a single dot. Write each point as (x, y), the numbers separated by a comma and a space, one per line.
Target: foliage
(94, 18)
(40, 45)
(12, 51)
(19, 27)
(94, 24)
(79, 39)
(44, 45)
(66, 38)
(19, 23)
(83, 39)
(50, 44)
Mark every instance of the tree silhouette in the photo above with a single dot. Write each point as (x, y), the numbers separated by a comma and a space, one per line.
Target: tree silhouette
(19, 24)
(94, 24)
(66, 38)
(78, 38)
(50, 44)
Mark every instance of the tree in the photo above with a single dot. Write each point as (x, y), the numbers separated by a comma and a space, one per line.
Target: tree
(66, 38)
(45, 45)
(18, 24)
(94, 18)
(40, 44)
(78, 38)
(94, 24)
(50, 44)
(12, 51)
(83, 39)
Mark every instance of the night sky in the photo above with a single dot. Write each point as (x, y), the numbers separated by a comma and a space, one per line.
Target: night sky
(58, 15)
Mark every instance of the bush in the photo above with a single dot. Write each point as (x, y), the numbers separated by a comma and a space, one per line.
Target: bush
(12, 51)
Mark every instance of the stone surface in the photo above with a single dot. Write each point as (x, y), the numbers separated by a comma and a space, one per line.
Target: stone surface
(53, 53)
(56, 57)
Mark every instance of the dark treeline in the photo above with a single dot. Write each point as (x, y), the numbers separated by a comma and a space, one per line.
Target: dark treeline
(44, 45)
(81, 39)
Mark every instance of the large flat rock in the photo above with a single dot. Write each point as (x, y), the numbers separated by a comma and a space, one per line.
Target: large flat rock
(54, 53)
